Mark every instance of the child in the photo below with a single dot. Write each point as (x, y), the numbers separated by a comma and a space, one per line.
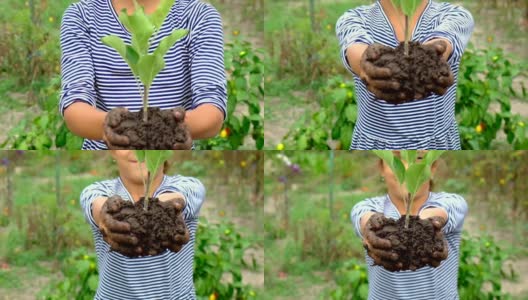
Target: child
(165, 276)
(95, 79)
(447, 213)
(423, 124)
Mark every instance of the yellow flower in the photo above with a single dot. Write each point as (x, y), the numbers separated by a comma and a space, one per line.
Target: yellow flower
(329, 27)
(223, 133)
(495, 58)
(221, 162)
(280, 146)
(92, 266)
(72, 202)
(252, 293)
(356, 267)
(349, 94)
(85, 257)
(243, 164)
(490, 39)
(227, 232)
(502, 181)
(521, 124)
(242, 53)
(479, 128)
(212, 296)
(236, 32)
(342, 85)
(51, 19)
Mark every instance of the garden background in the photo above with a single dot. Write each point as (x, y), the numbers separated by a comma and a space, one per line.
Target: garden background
(310, 100)
(30, 76)
(46, 246)
(312, 252)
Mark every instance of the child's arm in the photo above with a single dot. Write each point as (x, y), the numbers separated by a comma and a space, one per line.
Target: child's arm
(362, 211)
(208, 75)
(353, 39)
(456, 26)
(452, 208)
(192, 191)
(77, 99)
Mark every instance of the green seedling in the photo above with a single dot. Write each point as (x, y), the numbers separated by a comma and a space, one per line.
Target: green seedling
(144, 65)
(153, 160)
(408, 7)
(414, 176)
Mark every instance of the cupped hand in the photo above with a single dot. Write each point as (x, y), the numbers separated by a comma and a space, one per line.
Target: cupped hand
(116, 233)
(379, 249)
(185, 140)
(112, 120)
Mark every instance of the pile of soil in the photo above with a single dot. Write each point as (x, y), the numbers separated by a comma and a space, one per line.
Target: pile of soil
(414, 245)
(155, 227)
(417, 73)
(160, 132)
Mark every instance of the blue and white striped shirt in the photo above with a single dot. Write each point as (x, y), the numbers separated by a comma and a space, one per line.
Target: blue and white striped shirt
(95, 73)
(427, 283)
(425, 124)
(166, 276)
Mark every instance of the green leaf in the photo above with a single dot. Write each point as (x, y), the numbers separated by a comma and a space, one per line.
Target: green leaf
(140, 155)
(409, 6)
(139, 26)
(93, 281)
(386, 155)
(415, 176)
(128, 53)
(409, 155)
(155, 158)
(161, 13)
(148, 67)
(432, 155)
(169, 41)
(351, 113)
(363, 291)
(399, 170)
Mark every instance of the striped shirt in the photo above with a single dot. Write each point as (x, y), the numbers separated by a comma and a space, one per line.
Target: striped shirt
(425, 124)
(166, 276)
(427, 283)
(96, 74)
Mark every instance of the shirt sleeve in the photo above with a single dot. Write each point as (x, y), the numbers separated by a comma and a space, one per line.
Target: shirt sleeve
(192, 190)
(456, 25)
(76, 61)
(208, 78)
(456, 208)
(88, 195)
(367, 205)
(351, 29)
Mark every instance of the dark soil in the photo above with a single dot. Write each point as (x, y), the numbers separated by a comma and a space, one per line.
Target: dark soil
(418, 72)
(161, 132)
(414, 245)
(154, 228)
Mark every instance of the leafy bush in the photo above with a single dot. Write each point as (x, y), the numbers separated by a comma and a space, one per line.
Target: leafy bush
(219, 260)
(80, 278)
(245, 87)
(46, 130)
(485, 78)
(351, 280)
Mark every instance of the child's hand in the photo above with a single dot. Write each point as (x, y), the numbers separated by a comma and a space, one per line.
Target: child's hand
(182, 237)
(113, 140)
(182, 129)
(446, 78)
(116, 233)
(379, 80)
(378, 248)
(439, 254)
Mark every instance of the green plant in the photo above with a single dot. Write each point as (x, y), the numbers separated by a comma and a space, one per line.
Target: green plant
(153, 160)
(408, 7)
(143, 27)
(220, 251)
(482, 263)
(332, 125)
(351, 280)
(245, 89)
(46, 130)
(80, 278)
(417, 172)
(485, 80)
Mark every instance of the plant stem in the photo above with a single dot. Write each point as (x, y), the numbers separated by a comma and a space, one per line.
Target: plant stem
(406, 36)
(147, 191)
(145, 103)
(409, 204)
